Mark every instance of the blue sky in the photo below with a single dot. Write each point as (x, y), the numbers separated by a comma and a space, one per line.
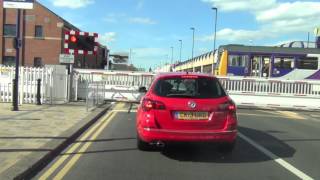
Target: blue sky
(151, 27)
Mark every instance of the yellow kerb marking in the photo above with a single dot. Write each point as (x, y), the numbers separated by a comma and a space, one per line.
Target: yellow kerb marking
(64, 157)
(77, 156)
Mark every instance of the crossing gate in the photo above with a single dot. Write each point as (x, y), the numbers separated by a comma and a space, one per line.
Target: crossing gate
(252, 92)
(119, 86)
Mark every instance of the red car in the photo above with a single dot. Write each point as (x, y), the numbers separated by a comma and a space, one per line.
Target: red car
(186, 107)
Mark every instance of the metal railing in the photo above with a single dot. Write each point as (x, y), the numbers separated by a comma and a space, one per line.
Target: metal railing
(271, 87)
(95, 94)
(27, 84)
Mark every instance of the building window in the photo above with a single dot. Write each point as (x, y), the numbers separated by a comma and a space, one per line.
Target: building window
(38, 32)
(9, 61)
(308, 63)
(37, 62)
(9, 30)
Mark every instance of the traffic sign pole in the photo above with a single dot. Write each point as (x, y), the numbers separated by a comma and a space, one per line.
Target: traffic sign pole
(17, 4)
(16, 80)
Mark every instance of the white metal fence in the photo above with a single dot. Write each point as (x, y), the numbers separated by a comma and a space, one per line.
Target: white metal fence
(27, 84)
(51, 83)
(95, 94)
(273, 93)
(271, 87)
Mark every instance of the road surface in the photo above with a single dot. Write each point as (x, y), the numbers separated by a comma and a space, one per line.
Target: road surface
(271, 145)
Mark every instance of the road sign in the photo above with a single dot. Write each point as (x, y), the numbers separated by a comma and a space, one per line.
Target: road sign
(66, 58)
(18, 4)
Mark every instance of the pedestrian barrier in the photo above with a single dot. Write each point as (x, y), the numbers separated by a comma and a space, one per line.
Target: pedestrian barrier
(272, 87)
(28, 82)
(273, 92)
(95, 94)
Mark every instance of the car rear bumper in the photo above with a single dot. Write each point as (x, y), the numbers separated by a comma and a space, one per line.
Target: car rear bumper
(152, 135)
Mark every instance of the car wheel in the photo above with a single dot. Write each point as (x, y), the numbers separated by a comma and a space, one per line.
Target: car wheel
(227, 147)
(143, 146)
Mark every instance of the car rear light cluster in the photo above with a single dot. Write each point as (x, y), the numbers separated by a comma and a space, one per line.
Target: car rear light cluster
(231, 109)
(229, 106)
(148, 104)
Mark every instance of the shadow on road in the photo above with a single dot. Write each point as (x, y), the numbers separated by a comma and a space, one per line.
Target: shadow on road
(243, 153)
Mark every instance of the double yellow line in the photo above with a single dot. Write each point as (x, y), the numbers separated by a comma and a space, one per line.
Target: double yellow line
(92, 134)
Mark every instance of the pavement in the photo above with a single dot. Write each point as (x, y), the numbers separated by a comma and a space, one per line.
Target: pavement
(29, 136)
(272, 144)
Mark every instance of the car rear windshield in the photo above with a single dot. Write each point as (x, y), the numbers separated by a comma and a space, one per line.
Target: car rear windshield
(198, 88)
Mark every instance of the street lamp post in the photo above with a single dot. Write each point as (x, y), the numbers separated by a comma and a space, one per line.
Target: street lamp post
(180, 50)
(171, 55)
(192, 55)
(215, 35)
(171, 65)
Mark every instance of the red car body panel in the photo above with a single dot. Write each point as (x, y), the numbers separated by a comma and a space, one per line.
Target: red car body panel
(162, 124)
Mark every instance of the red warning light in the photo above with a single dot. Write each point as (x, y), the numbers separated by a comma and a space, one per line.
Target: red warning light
(73, 39)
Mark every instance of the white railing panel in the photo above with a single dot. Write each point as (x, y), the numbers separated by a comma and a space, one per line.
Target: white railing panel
(27, 83)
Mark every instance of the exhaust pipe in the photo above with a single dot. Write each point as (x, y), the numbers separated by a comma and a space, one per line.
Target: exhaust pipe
(159, 144)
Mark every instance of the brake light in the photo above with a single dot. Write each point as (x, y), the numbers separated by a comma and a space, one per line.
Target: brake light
(232, 122)
(229, 106)
(148, 104)
(232, 107)
(189, 77)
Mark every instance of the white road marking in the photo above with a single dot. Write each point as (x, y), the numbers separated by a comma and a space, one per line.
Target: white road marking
(278, 160)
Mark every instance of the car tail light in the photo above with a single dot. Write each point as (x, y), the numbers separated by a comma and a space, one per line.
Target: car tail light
(148, 104)
(229, 106)
(231, 109)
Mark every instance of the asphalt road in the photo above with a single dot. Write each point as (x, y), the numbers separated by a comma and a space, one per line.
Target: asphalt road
(271, 145)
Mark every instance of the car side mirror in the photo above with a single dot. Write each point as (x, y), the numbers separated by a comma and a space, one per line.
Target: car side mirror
(142, 89)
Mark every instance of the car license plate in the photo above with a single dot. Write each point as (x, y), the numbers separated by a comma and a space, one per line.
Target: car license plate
(192, 115)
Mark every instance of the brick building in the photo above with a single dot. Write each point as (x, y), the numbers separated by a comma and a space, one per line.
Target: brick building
(42, 35)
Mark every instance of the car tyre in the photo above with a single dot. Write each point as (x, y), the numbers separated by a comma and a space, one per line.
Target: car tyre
(143, 146)
(227, 147)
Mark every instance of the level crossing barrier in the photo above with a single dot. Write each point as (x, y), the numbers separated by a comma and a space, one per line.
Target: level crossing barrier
(257, 92)
(119, 86)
